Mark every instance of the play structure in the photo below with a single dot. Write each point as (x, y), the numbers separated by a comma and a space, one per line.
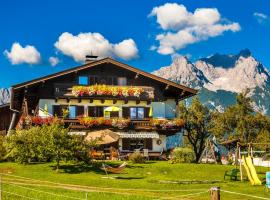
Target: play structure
(246, 161)
(210, 152)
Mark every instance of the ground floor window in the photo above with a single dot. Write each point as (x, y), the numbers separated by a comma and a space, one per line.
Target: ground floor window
(137, 143)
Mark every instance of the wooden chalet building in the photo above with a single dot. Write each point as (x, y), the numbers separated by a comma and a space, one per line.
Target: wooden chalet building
(105, 94)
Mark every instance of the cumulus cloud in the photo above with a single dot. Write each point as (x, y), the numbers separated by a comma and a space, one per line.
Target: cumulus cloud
(78, 46)
(181, 27)
(54, 61)
(260, 17)
(18, 54)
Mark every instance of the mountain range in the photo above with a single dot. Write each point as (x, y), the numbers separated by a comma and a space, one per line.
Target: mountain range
(220, 77)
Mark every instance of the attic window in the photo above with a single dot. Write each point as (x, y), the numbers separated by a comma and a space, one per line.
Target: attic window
(83, 80)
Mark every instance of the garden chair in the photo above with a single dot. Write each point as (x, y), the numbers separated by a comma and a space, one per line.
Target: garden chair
(146, 153)
(233, 174)
(267, 181)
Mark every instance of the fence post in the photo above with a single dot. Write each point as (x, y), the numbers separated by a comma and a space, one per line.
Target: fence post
(1, 188)
(86, 196)
(215, 193)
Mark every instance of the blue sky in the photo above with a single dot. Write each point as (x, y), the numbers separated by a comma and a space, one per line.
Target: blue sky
(128, 33)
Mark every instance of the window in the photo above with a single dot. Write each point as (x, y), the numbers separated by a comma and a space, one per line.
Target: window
(122, 81)
(95, 111)
(72, 112)
(83, 80)
(137, 113)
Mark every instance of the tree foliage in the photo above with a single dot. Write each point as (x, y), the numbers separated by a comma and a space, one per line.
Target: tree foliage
(197, 125)
(240, 121)
(46, 143)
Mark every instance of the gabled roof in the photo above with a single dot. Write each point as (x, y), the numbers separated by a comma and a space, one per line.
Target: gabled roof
(102, 61)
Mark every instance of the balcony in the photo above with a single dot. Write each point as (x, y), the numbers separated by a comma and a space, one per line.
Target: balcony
(104, 91)
(164, 126)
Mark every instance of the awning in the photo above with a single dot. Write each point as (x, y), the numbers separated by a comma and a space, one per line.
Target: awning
(138, 135)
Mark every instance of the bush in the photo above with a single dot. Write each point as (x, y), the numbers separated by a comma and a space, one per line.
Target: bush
(2, 148)
(136, 158)
(182, 155)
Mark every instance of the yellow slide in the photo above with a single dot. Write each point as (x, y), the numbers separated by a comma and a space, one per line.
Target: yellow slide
(251, 171)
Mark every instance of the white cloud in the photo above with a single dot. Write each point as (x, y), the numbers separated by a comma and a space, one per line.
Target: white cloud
(181, 27)
(126, 49)
(78, 46)
(18, 54)
(54, 61)
(260, 17)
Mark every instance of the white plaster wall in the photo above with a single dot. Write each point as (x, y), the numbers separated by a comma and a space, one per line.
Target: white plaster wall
(84, 102)
(162, 146)
(156, 147)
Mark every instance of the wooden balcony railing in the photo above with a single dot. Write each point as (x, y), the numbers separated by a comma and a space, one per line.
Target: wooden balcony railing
(120, 123)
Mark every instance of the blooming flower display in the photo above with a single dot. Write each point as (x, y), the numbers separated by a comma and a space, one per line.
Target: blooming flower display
(124, 91)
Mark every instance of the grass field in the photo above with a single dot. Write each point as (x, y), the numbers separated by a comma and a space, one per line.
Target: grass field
(153, 180)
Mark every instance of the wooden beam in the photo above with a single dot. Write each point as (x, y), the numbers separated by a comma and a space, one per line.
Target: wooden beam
(137, 76)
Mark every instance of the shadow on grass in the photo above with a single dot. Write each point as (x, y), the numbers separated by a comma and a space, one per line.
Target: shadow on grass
(78, 168)
(128, 178)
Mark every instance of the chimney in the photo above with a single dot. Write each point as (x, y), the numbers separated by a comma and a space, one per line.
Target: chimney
(90, 58)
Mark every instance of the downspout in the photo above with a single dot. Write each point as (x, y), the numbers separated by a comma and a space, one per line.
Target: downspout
(14, 114)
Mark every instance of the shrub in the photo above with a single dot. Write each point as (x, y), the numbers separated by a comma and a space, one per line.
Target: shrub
(136, 158)
(182, 155)
(2, 148)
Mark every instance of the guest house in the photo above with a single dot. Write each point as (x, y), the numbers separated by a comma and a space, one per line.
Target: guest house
(104, 94)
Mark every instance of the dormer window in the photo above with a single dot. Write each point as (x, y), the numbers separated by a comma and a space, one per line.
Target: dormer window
(83, 80)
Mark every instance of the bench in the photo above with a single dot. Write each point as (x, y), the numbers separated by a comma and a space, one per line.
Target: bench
(233, 174)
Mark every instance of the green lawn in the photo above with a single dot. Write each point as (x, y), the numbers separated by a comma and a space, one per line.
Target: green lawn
(153, 180)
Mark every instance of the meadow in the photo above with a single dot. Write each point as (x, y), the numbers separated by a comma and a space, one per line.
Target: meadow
(152, 180)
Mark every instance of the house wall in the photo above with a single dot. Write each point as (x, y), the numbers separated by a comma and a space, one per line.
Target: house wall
(165, 109)
(50, 103)
(155, 146)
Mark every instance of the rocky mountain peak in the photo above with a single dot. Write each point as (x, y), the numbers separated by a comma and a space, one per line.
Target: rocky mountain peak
(4, 96)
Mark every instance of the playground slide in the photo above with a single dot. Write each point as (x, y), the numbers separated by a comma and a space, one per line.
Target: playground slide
(251, 171)
(247, 170)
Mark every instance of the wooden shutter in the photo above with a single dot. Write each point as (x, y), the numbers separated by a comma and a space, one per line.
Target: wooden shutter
(91, 111)
(149, 143)
(100, 111)
(126, 112)
(79, 111)
(125, 143)
(57, 111)
(146, 112)
(92, 80)
(114, 80)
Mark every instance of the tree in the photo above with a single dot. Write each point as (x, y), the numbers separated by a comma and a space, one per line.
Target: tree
(197, 125)
(60, 143)
(240, 121)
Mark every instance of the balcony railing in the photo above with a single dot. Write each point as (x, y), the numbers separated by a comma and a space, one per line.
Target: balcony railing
(88, 123)
(121, 123)
(119, 92)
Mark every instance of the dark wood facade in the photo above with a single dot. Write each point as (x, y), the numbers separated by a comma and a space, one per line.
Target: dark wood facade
(25, 97)
(5, 118)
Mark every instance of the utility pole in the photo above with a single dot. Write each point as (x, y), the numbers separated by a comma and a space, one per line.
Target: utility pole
(215, 193)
